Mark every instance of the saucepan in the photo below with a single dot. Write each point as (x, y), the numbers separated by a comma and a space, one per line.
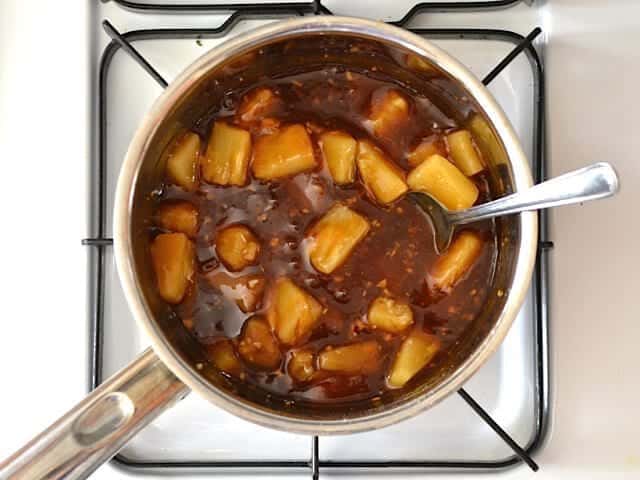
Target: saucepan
(101, 424)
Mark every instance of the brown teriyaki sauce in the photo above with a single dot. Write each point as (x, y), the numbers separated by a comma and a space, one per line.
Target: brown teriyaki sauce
(393, 259)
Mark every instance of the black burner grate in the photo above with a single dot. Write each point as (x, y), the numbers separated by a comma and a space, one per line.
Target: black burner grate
(240, 11)
(312, 6)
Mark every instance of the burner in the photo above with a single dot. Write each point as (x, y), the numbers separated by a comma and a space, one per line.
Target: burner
(462, 432)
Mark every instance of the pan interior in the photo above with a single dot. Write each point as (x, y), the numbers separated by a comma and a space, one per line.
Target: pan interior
(294, 55)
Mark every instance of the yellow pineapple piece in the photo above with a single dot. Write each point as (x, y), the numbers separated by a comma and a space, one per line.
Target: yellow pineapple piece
(382, 178)
(416, 351)
(172, 256)
(415, 62)
(429, 146)
(283, 154)
(257, 104)
(389, 112)
(463, 152)
(356, 358)
(334, 237)
(454, 264)
(292, 312)
(339, 151)
(441, 179)
(390, 315)
(237, 247)
(178, 217)
(246, 291)
(487, 140)
(182, 161)
(301, 365)
(257, 344)
(223, 356)
(227, 158)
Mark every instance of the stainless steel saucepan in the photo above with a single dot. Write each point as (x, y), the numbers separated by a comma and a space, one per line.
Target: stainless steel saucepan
(101, 424)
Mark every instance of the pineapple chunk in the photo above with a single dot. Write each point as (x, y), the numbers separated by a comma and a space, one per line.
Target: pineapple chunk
(414, 354)
(257, 345)
(389, 112)
(390, 315)
(178, 217)
(463, 152)
(246, 291)
(453, 265)
(357, 358)
(339, 151)
(487, 141)
(283, 154)
(441, 179)
(237, 247)
(256, 104)
(227, 158)
(429, 146)
(334, 237)
(301, 365)
(222, 355)
(292, 312)
(415, 62)
(172, 256)
(384, 180)
(182, 161)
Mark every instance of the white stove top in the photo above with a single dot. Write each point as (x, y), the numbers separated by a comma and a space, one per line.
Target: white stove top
(191, 431)
(588, 435)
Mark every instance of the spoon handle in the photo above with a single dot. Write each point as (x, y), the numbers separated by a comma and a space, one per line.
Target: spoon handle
(589, 183)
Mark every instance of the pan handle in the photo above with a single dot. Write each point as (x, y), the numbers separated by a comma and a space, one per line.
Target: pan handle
(95, 429)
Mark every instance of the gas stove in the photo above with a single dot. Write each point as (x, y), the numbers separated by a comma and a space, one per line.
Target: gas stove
(497, 421)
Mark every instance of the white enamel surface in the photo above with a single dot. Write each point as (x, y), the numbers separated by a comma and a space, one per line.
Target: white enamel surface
(593, 69)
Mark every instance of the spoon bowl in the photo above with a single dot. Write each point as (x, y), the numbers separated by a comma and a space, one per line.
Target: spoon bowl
(596, 181)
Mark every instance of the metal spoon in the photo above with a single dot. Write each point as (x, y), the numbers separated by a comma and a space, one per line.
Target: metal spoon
(589, 183)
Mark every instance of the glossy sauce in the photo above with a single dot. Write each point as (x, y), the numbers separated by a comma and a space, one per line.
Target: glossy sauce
(393, 259)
